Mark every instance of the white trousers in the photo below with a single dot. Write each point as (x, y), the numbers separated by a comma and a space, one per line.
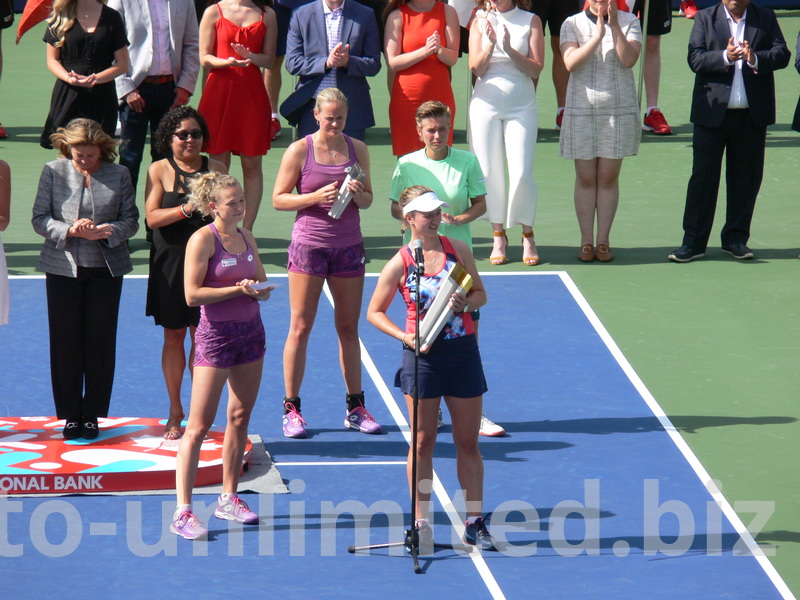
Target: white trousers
(503, 126)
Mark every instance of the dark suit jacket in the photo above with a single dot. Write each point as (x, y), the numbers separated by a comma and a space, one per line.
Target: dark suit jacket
(796, 120)
(307, 51)
(713, 80)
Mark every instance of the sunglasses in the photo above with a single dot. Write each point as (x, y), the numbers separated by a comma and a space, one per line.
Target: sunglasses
(195, 134)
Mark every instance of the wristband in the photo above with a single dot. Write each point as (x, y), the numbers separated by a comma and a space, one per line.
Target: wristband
(184, 214)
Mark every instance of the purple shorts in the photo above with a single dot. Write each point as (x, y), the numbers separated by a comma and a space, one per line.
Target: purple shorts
(226, 344)
(327, 262)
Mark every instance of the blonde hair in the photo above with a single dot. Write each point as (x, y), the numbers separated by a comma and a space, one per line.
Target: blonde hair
(204, 189)
(63, 17)
(84, 132)
(432, 109)
(414, 191)
(329, 95)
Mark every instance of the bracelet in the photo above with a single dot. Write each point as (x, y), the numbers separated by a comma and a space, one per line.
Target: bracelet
(184, 214)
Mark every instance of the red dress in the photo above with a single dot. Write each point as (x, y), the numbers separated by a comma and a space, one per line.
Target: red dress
(429, 79)
(235, 103)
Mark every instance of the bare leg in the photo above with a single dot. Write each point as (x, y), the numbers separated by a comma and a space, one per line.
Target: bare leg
(273, 79)
(560, 73)
(173, 363)
(253, 185)
(243, 383)
(499, 244)
(347, 293)
(224, 158)
(466, 416)
(607, 196)
(426, 440)
(206, 391)
(304, 291)
(586, 198)
(652, 69)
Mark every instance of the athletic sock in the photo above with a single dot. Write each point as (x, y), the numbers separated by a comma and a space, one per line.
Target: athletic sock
(224, 499)
(354, 401)
(180, 509)
(293, 401)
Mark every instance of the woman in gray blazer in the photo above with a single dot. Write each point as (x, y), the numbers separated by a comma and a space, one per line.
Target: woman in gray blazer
(85, 209)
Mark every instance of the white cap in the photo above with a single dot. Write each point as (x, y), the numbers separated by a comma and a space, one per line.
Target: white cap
(427, 202)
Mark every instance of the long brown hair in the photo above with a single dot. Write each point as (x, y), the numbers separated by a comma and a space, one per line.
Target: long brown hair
(84, 132)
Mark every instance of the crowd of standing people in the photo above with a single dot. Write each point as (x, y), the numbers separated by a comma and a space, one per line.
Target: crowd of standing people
(133, 67)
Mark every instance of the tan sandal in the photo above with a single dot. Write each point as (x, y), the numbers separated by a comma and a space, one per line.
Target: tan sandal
(499, 260)
(531, 261)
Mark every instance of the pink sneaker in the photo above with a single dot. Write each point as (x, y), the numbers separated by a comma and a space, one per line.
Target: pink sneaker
(188, 526)
(294, 425)
(235, 509)
(359, 418)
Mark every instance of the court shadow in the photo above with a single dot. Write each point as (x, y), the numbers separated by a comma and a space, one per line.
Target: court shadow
(607, 426)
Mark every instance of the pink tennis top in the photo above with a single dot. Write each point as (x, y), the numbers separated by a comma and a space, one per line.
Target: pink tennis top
(226, 269)
(313, 226)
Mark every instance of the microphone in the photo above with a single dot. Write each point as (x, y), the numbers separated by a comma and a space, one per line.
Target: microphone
(420, 260)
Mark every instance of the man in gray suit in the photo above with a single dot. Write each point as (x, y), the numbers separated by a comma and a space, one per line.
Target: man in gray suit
(164, 62)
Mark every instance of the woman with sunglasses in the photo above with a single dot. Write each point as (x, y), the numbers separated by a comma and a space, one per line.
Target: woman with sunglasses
(180, 136)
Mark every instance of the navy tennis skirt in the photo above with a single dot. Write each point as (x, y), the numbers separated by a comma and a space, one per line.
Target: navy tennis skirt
(451, 368)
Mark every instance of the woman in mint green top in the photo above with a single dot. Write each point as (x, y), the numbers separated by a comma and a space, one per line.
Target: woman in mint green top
(455, 176)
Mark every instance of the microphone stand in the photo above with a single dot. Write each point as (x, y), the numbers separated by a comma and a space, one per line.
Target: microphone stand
(411, 542)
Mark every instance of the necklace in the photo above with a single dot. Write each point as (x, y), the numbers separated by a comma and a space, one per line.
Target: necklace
(332, 153)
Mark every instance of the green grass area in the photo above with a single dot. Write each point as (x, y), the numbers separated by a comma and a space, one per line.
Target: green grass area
(716, 341)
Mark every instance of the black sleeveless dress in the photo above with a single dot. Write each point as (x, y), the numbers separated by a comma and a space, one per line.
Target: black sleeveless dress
(166, 301)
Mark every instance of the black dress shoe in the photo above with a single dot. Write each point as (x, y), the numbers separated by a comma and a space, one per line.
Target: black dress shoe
(89, 431)
(737, 250)
(685, 254)
(72, 430)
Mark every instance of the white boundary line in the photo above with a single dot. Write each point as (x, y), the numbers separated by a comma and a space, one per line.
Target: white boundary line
(677, 439)
(438, 488)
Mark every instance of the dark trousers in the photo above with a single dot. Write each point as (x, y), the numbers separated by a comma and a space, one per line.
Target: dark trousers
(742, 142)
(157, 101)
(82, 313)
(308, 124)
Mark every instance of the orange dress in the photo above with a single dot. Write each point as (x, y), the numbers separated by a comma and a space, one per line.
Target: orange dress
(235, 104)
(429, 79)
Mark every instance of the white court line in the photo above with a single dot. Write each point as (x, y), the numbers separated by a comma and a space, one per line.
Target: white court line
(438, 488)
(677, 439)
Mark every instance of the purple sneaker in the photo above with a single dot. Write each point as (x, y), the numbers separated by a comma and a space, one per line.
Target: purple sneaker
(294, 425)
(359, 418)
(188, 526)
(235, 509)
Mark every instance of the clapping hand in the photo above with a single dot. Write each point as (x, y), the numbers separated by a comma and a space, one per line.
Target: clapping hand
(433, 44)
(734, 51)
(86, 229)
(748, 53)
(339, 56)
(77, 80)
(242, 51)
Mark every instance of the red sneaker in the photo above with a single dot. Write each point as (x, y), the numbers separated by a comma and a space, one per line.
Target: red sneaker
(3, 132)
(688, 9)
(276, 129)
(654, 121)
(559, 118)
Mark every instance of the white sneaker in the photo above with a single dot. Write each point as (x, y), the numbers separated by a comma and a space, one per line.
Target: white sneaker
(489, 428)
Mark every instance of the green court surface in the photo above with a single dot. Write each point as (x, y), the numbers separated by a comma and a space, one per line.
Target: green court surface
(716, 342)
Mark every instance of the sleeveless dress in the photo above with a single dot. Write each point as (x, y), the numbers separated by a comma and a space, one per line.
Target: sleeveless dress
(86, 53)
(429, 79)
(235, 104)
(166, 300)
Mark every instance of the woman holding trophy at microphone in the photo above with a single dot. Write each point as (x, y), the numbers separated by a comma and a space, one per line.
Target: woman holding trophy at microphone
(449, 364)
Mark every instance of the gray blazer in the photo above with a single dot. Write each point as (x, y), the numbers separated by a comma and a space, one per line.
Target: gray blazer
(56, 208)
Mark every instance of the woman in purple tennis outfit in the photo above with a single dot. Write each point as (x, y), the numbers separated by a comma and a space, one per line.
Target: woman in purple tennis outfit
(221, 275)
(324, 249)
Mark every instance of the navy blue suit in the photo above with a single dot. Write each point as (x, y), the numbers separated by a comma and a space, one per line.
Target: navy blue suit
(307, 51)
(738, 134)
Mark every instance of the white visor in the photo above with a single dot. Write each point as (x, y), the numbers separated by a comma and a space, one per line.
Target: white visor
(427, 202)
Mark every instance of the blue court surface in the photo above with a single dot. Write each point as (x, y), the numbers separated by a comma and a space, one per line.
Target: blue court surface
(592, 492)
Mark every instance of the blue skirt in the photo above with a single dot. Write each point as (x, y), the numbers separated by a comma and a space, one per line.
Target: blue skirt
(451, 368)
